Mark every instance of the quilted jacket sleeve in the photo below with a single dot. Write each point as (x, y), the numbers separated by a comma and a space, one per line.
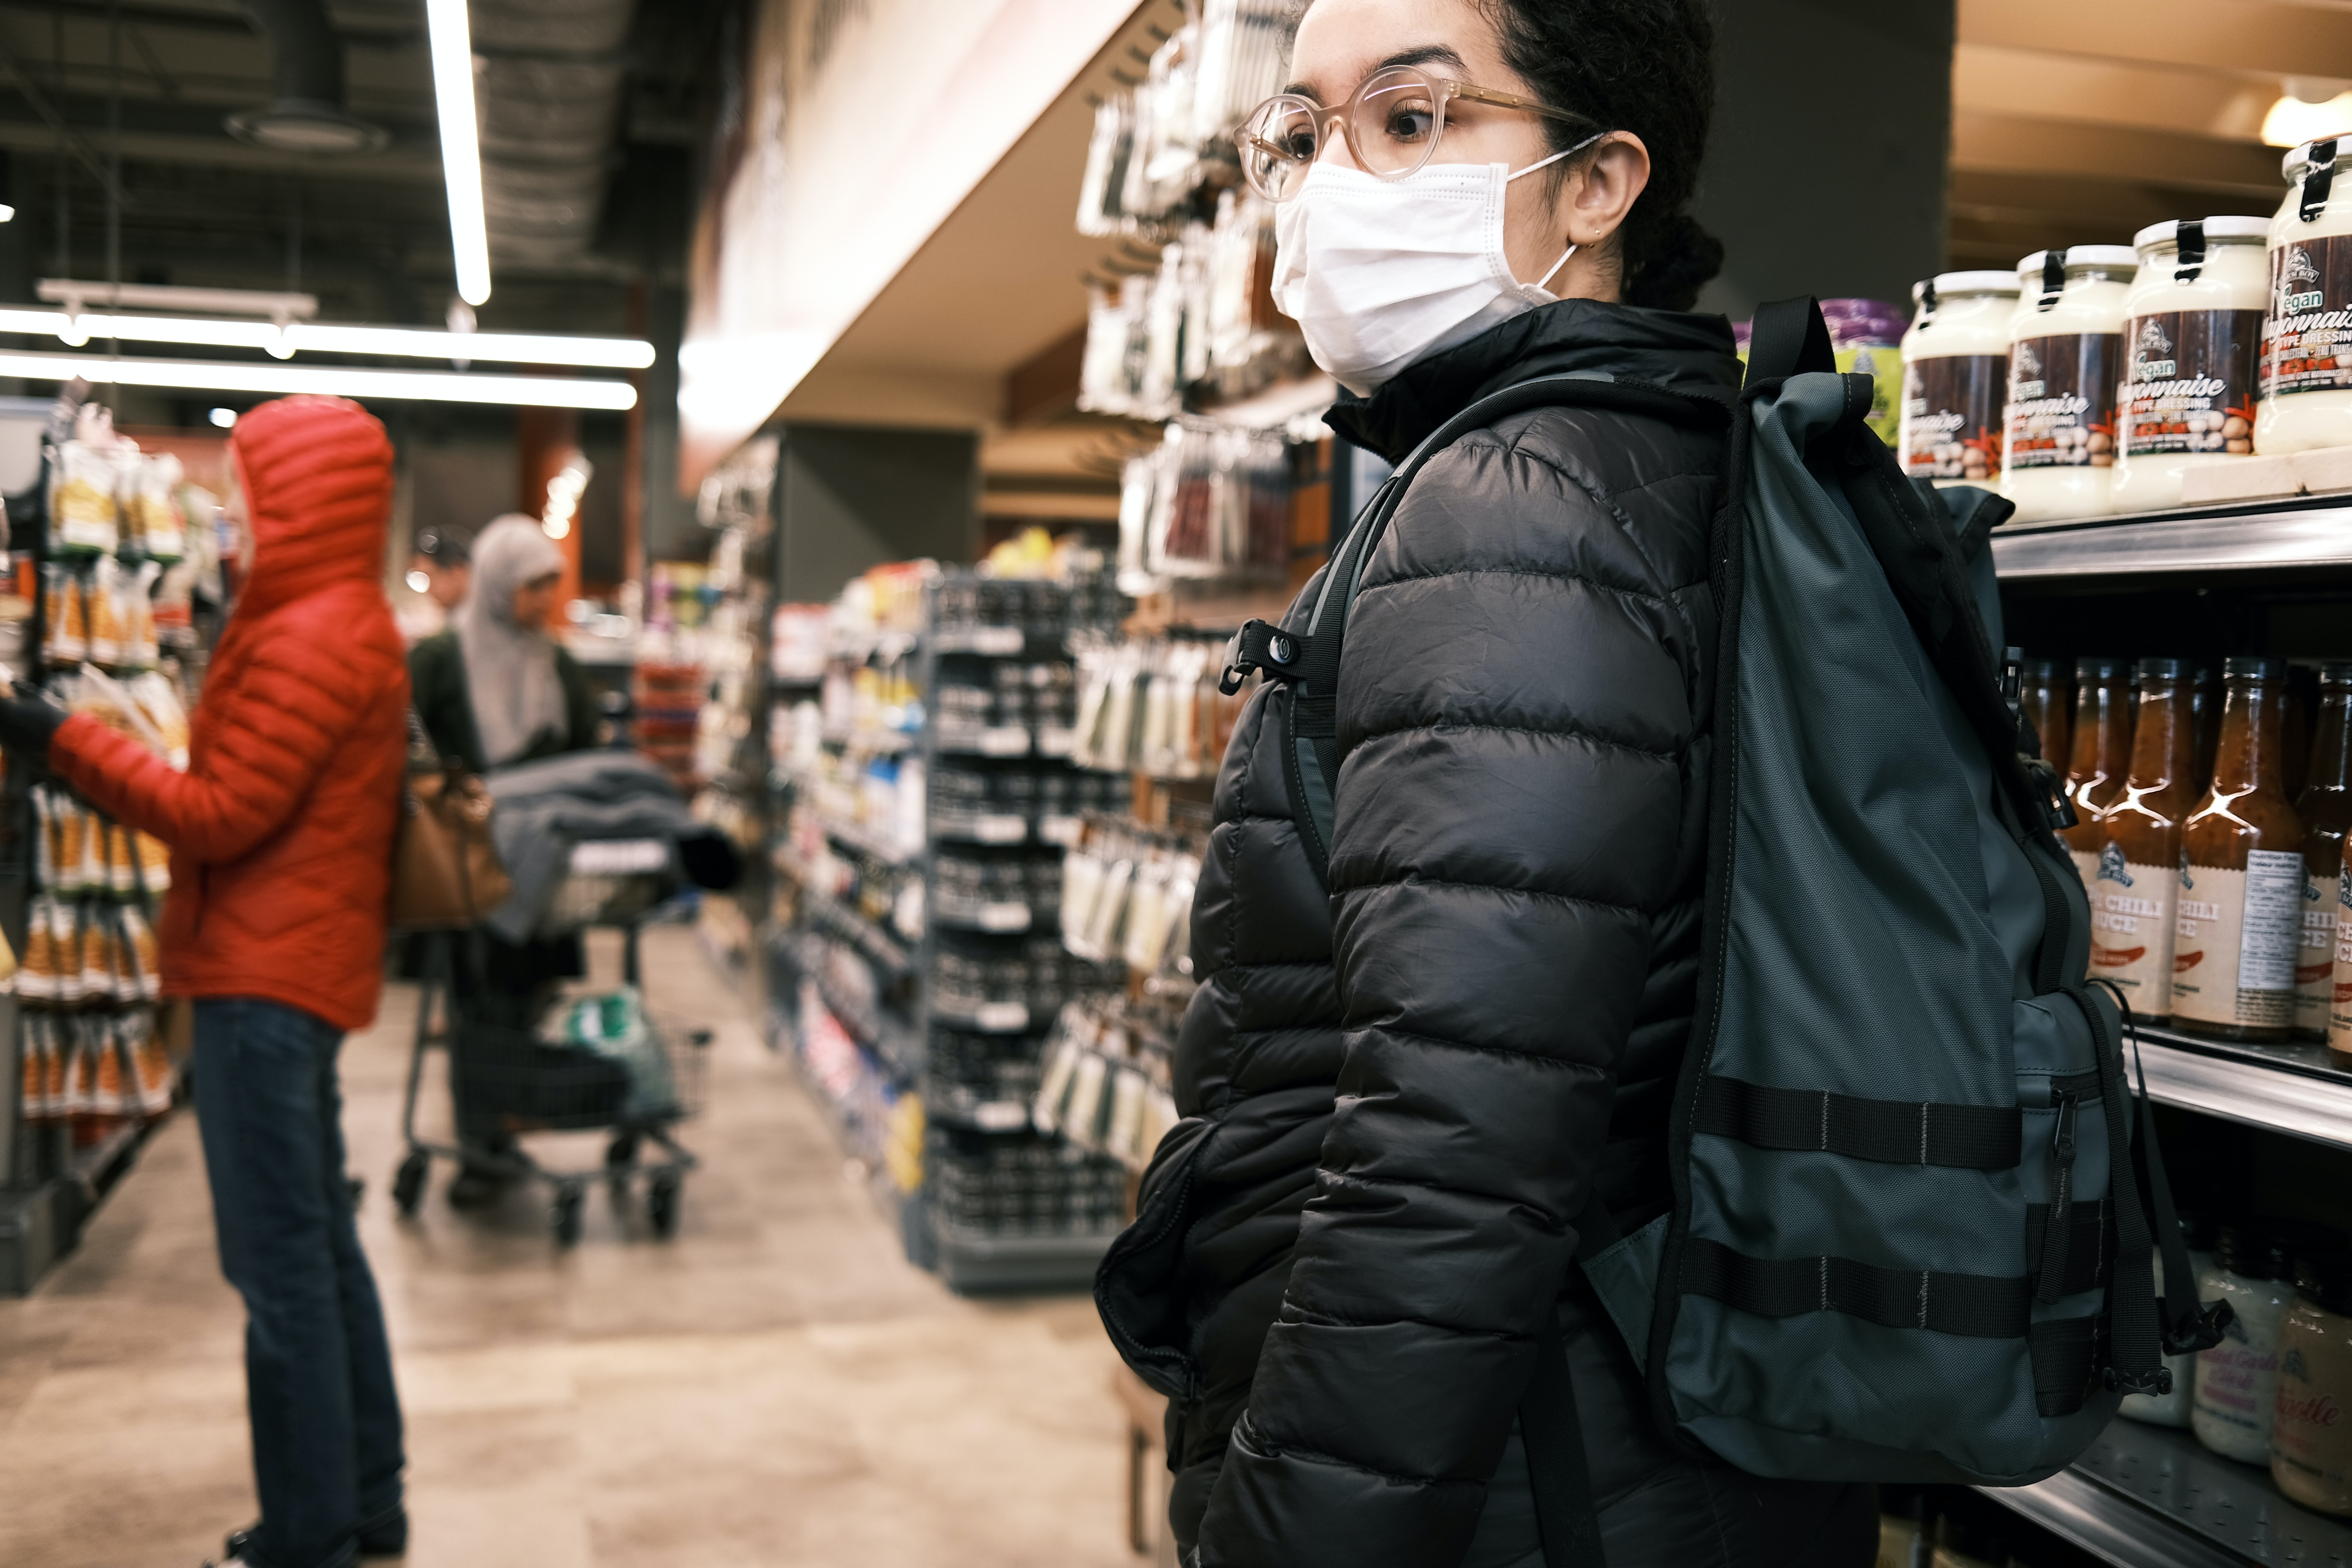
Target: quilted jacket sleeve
(262, 742)
(1518, 710)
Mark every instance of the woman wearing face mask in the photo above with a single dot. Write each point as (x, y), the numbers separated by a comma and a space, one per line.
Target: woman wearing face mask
(1414, 1092)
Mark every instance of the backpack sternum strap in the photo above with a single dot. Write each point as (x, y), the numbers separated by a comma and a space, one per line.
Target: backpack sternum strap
(1281, 655)
(1889, 1131)
(1979, 1306)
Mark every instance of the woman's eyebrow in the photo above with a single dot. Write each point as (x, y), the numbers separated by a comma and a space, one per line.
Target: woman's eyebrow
(1426, 55)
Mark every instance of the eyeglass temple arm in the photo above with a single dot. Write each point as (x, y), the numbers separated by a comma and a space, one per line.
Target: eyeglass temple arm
(1511, 100)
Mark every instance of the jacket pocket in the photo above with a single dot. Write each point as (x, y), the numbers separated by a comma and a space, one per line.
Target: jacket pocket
(1138, 1289)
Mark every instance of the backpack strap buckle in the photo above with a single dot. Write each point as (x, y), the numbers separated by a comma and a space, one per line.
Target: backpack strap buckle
(1260, 647)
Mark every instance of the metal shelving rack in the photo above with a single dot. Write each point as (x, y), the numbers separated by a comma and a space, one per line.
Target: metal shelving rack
(2147, 1495)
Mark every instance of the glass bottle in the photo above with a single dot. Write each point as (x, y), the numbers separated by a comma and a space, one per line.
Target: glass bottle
(2311, 1441)
(2241, 905)
(2045, 700)
(2326, 807)
(2101, 754)
(2237, 1380)
(2339, 1005)
(2136, 876)
(2208, 713)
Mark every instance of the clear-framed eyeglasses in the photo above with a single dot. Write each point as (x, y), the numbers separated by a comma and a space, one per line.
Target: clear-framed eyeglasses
(1391, 124)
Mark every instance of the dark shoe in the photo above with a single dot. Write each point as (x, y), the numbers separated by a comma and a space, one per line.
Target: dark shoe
(386, 1537)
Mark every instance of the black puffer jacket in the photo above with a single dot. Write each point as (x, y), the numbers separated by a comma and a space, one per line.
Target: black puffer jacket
(1405, 1094)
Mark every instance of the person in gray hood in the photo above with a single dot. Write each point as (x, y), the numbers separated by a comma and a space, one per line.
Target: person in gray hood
(1406, 1096)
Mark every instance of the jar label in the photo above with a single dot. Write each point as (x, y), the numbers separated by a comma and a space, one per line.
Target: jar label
(2315, 960)
(2339, 1009)
(2132, 926)
(1882, 364)
(2311, 1430)
(2310, 317)
(2188, 381)
(1951, 416)
(2061, 401)
(2235, 942)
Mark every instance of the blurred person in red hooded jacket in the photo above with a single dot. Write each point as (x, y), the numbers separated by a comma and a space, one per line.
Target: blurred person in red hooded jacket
(281, 835)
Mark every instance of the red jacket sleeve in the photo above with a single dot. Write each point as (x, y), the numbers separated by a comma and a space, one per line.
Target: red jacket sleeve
(261, 745)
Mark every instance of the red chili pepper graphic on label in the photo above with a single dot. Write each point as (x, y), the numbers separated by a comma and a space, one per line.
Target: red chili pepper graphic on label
(2181, 960)
(2115, 957)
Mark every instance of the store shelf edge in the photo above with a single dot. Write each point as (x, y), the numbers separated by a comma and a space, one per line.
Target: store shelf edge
(2283, 1100)
(2233, 539)
(977, 1261)
(2082, 1511)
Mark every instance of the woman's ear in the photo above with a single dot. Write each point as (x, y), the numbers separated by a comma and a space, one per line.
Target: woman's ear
(1592, 203)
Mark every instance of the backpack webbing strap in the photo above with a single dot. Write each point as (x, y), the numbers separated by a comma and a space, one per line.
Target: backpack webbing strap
(2135, 1362)
(1557, 1472)
(2083, 1263)
(1788, 337)
(1979, 1306)
(2064, 1354)
(1888, 1131)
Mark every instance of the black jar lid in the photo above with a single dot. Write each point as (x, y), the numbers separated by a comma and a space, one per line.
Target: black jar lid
(2323, 1274)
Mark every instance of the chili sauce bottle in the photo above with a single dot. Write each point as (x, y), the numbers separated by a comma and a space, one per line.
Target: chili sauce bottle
(2241, 909)
(2136, 877)
(2045, 700)
(2101, 754)
(2326, 807)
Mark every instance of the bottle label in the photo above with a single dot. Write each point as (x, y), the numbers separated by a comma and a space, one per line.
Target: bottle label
(2061, 401)
(1951, 416)
(2237, 935)
(2132, 926)
(2310, 318)
(2188, 382)
(2315, 960)
(2339, 1010)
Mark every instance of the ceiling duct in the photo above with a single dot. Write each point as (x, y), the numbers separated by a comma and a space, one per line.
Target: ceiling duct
(308, 112)
(547, 82)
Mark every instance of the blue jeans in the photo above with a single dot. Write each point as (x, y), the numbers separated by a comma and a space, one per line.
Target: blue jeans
(318, 1371)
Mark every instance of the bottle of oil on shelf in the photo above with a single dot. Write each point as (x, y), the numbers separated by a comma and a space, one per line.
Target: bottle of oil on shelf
(2241, 921)
(2137, 876)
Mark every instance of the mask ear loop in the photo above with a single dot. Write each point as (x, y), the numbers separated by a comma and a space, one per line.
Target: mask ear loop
(1531, 168)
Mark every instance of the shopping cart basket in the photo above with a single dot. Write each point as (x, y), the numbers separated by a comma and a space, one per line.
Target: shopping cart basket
(628, 1077)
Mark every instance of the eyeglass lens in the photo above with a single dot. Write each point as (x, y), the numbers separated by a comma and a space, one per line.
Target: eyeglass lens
(1393, 123)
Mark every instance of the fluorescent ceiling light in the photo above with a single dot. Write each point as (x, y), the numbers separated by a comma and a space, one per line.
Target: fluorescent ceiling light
(74, 293)
(224, 417)
(2293, 122)
(327, 337)
(461, 151)
(277, 380)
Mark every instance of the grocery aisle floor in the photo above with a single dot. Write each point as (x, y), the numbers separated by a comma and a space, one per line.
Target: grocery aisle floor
(774, 1386)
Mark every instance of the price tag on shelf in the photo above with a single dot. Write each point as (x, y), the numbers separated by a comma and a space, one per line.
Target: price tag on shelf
(1004, 917)
(1001, 1017)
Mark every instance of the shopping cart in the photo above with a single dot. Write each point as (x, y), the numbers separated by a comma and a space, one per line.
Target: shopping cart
(620, 1072)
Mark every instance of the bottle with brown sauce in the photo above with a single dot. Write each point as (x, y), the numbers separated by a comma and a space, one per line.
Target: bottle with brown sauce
(2207, 712)
(2101, 754)
(2326, 807)
(2240, 904)
(2339, 1007)
(2137, 872)
(2045, 700)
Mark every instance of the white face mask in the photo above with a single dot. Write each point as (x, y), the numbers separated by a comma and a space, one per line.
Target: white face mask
(1381, 273)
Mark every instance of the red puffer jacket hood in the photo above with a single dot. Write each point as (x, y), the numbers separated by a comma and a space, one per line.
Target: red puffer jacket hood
(281, 829)
(318, 489)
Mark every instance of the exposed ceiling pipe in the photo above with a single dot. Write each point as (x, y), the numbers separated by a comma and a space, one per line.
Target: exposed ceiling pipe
(549, 82)
(310, 111)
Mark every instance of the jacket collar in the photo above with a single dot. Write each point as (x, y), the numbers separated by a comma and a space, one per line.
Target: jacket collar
(1676, 348)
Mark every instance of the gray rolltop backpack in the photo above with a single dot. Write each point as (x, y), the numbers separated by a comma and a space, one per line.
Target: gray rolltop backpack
(1912, 1226)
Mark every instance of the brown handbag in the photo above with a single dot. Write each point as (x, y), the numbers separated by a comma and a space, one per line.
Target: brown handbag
(446, 873)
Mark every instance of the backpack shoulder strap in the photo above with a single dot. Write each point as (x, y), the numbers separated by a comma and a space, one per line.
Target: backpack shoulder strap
(1306, 660)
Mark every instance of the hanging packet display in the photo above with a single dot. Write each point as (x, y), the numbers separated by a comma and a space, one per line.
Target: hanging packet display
(64, 638)
(82, 508)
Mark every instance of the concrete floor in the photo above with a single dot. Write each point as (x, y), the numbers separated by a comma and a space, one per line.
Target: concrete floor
(774, 1386)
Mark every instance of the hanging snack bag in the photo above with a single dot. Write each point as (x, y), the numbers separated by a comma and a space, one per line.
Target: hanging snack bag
(82, 508)
(121, 861)
(66, 638)
(36, 982)
(109, 632)
(45, 839)
(140, 649)
(153, 692)
(90, 845)
(79, 1096)
(151, 1066)
(142, 959)
(154, 862)
(39, 1058)
(162, 525)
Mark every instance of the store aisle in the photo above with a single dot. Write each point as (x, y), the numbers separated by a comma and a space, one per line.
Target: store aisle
(775, 1387)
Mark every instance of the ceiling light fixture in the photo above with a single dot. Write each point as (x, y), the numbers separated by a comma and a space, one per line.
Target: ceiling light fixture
(226, 418)
(75, 326)
(280, 380)
(2308, 111)
(461, 153)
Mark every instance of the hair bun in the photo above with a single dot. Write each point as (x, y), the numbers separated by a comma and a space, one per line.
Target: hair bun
(1681, 261)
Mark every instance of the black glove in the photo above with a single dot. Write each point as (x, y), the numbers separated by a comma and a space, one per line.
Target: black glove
(26, 723)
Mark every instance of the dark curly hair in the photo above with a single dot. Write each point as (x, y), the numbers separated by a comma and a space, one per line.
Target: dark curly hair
(1642, 66)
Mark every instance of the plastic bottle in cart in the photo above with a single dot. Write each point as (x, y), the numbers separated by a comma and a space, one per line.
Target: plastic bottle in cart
(1955, 365)
(2241, 919)
(2102, 738)
(2306, 356)
(2065, 361)
(2237, 1380)
(2326, 807)
(2192, 354)
(2135, 886)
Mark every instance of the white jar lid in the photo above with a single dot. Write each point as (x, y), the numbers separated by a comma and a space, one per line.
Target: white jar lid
(2080, 257)
(2217, 230)
(2292, 166)
(1947, 284)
